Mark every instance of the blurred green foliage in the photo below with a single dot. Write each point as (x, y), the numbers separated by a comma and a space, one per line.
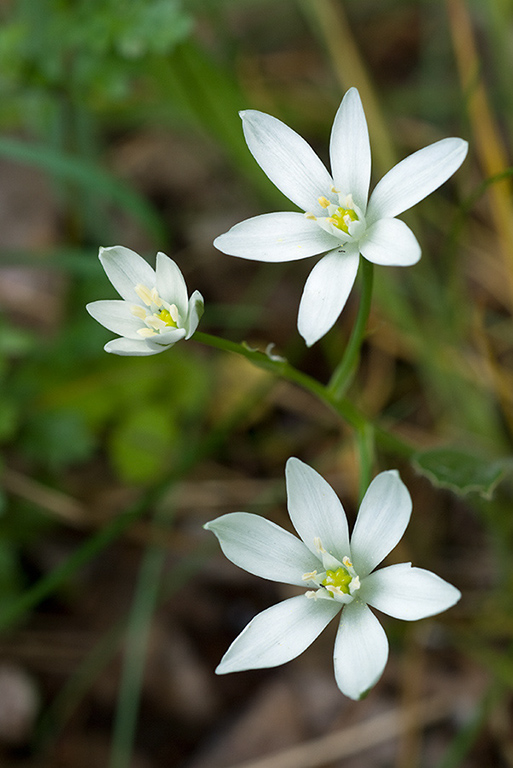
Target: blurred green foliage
(92, 50)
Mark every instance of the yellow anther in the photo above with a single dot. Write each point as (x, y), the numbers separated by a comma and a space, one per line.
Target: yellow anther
(155, 322)
(309, 576)
(144, 294)
(146, 332)
(347, 562)
(318, 545)
(324, 202)
(156, 298)
(309, 215)
(138, 311)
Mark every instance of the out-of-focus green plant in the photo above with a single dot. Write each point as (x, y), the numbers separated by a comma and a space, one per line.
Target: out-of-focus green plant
(90, 50)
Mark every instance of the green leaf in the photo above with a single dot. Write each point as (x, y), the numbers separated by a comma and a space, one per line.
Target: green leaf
(462, 472)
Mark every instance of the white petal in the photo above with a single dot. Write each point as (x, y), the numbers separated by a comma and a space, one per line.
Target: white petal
(326, 291)
(361, 650)
(382, 519)
(350, 149)
(126, 269)
(415, 177)
(278, 634)
(287, 159)
(170, 283)
(275, 237)
(263, 548)
(315, 510)
(116, 316)
(195, 312)
(166, 338)
(390, 242)
(131, 348)
(408, 593)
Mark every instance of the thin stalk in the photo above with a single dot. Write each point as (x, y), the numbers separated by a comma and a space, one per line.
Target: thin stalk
(138, 631)
(365, 444)
(345, 370)
(342, 407)
(282, 368)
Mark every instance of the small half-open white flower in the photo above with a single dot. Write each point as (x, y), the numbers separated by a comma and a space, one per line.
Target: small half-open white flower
(337, 221)
(338, 572)
(154, 311)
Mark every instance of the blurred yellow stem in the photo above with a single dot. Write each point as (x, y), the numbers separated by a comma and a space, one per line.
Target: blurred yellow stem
(488, 143)
(493, 158)
(332, 22)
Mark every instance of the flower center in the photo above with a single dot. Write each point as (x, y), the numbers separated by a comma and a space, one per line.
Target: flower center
(342, 218)
(339, 580)
(165, 316)
(158, 315)
(344, 221)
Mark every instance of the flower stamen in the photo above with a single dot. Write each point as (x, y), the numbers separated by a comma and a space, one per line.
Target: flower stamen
(309, 576)
(159, 316)
(144, 294)
(138, 311)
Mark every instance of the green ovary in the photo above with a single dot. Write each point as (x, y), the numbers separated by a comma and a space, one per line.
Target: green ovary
(339, 578)
(342, 218)
(166, 318)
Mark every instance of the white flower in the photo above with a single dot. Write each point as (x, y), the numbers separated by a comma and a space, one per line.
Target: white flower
(155, 311)
(337, 219)
(338, 572)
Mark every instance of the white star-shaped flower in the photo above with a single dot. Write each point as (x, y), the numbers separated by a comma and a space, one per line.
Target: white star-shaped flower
(338, 220)
(154, 312)
(338, 573)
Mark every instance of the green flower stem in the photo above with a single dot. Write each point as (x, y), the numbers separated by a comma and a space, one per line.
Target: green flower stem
(283, 369)
(365, 443)
(342, 407)
(344, 371)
